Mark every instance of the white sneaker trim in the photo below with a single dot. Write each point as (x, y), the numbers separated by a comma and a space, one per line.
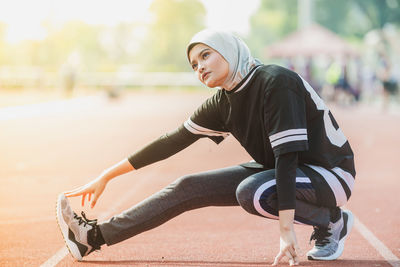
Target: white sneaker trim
(72, 247)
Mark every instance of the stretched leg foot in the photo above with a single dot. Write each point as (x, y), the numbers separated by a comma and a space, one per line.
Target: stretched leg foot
(77, 231)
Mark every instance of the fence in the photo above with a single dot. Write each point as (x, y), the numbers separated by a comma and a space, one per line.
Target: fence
(36, 77)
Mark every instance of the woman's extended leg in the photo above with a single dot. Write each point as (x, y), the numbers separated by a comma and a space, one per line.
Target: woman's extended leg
(211, 188)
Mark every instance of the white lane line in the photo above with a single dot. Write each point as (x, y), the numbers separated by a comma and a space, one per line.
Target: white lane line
(56, 258)
(392, 259)
(62, 252)
(376, 243)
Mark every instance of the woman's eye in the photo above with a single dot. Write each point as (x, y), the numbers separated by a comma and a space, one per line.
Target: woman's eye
(194, 66)
(205, 55)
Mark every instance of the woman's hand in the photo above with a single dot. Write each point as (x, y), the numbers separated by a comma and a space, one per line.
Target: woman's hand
(288, 242)
(288, 248)
(95, 187)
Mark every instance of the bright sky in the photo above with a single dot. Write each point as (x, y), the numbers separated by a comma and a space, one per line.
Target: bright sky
(24, 18)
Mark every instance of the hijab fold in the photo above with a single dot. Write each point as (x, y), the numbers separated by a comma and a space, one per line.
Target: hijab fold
(232, 49)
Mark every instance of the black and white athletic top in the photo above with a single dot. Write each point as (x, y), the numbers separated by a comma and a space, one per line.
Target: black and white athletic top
(273, 113)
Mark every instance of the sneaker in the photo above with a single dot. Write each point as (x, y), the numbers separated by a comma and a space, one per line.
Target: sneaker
(75, 229)
(329, 242)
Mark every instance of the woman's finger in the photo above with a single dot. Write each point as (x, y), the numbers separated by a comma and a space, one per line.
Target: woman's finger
(75, 194)
(71, 191)
(278, 258)
(288, 255)
(83, 199)
(75, 190)
(90, 196)
(298, 250)
(292, 251)
(78, 192)
(296, 260)
(95, 197)
(93, 204)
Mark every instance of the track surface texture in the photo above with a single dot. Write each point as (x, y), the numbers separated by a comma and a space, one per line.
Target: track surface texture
(52, 147)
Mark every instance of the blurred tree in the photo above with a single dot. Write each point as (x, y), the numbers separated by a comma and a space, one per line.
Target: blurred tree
(335, 15)
(74, 37)
(272, 21)
(358, 17)
(174, 23)
(355, 18)
(350, 19)
(380, 12)
(122, 42)
(25, 53)
(2, 42)
(93, 47)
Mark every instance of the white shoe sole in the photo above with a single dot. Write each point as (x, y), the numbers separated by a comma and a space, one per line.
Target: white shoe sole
(72, 247)
(339, 251)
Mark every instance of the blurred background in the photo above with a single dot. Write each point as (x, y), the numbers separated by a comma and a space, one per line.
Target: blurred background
(349, 50)
(85, 83)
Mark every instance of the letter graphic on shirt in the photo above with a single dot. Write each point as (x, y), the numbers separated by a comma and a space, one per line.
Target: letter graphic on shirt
(336, 137)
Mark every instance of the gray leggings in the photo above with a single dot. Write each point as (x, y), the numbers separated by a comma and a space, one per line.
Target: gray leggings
(252, 189)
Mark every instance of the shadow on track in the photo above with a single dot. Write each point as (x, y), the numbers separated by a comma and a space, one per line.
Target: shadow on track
(352, 263)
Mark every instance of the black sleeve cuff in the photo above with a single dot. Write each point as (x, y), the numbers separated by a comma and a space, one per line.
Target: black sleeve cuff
(295, 147)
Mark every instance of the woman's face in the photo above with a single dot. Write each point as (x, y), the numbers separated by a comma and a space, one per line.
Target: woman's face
(211, 68)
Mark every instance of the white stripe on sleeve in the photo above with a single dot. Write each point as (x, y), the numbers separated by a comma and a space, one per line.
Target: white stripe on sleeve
(197, 129)
(288, 139)
(282, 134)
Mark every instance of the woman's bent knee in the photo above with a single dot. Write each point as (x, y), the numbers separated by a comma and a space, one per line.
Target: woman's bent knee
(246, 191)
(245, 196)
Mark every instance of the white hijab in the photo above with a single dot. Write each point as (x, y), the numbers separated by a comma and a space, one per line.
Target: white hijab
(234, 51)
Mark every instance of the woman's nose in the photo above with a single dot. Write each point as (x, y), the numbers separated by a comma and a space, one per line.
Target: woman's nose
(201, 68)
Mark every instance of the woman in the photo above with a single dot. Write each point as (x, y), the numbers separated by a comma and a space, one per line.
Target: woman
(303, 168)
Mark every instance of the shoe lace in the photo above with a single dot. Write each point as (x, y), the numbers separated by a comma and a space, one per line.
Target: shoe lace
(320, 235)
(95, 230)
(84, 220)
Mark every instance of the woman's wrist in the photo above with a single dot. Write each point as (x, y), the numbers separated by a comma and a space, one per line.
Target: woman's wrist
(120, 168)
(286, 218)
(105, 176)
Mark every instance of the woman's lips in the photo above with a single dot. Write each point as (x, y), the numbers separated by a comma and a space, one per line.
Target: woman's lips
(205, 75)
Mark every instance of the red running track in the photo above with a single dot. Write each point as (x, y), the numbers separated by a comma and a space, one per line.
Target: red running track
(50, 148)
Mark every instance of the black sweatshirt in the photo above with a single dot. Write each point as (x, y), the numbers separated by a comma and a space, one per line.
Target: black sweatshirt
(276, 116)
